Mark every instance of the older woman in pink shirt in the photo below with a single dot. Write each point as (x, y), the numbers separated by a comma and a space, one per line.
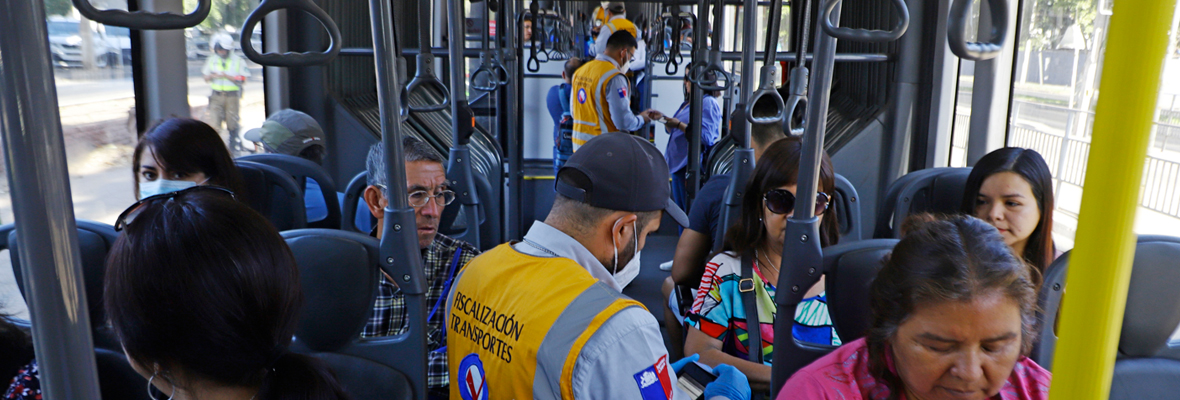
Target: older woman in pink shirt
(952, 317)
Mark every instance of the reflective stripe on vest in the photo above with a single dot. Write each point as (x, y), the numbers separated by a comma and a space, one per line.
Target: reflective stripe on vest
(588, 104)
(515, 332)
(230, 66)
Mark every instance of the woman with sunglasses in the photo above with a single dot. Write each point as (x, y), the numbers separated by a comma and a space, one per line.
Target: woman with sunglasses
(718, 321)
(179, 153)
(204, 296)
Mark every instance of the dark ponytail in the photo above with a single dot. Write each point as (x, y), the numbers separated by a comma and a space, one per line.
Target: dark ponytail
(202, 287)
(299, 377)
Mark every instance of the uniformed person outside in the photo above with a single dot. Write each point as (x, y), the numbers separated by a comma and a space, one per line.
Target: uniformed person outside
(601, 95)
(544, 319)
(226, 73)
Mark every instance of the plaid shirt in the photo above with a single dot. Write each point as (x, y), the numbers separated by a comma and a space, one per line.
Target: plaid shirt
(389, 313)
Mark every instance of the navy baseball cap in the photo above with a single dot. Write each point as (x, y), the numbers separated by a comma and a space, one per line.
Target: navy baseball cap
(623, 173)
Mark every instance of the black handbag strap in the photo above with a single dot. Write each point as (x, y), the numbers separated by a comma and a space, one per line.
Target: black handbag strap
(750, 300)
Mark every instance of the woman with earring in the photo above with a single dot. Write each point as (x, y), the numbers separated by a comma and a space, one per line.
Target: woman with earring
(718, 321)
(204, 296)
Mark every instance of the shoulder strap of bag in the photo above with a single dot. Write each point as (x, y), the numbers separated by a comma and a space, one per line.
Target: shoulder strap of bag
(750, 301)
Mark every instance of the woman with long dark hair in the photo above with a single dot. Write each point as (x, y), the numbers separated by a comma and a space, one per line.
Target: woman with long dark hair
(204, 296)
(179, 153)
(1012, 189)
(718, 319)
(953, 315)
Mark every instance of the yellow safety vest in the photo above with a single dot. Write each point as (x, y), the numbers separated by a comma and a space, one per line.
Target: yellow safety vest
(589, 108)
(614, 25)
(229, 65)
(516, 324)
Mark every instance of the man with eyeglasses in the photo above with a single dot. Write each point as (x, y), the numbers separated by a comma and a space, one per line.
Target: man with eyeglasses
(442, 256)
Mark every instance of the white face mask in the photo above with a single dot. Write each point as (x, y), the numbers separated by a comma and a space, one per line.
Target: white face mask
(628, 273)
(161, 186)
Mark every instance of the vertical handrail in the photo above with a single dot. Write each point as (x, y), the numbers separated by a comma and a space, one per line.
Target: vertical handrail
(42, 205)
(1101, 264)
(514, 101)
(696, 100)
(400, 256)
(462, 125)
(801, 240)
(743, 157)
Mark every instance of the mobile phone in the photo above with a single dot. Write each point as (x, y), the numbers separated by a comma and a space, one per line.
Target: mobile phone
(693, 378)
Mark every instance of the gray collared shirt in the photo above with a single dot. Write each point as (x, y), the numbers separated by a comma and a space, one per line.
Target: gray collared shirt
(624, 347)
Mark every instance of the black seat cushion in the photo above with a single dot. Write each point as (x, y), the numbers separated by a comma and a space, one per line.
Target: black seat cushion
(339, 282)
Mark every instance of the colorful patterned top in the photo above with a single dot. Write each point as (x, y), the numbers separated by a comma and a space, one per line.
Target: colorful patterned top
(26, 385)
(719, 312)
(844, 374)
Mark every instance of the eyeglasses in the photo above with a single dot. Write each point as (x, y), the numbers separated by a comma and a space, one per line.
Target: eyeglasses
(781, 201)
(128, 215)
(419, 198)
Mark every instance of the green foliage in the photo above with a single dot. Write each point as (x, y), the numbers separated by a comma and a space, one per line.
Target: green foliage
(1049, 19)
(224, 13)
(58, 7)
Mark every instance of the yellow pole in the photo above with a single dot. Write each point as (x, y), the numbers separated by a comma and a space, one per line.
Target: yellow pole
(1100, 267)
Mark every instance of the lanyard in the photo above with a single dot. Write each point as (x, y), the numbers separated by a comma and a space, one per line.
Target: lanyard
(446, 290)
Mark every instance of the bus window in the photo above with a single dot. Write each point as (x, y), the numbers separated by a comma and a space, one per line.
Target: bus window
(92, 71)
(961, 126)
(225, 88)
(1055, 81)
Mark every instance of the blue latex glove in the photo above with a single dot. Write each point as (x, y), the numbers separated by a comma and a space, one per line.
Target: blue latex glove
(730, 384)
(677, 366)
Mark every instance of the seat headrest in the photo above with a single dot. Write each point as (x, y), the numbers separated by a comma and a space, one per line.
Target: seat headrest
(338, 273)
(274, 194)
(94, 242)
(1153, 303)
(850, 269)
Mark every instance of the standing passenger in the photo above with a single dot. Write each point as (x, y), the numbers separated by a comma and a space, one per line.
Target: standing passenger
(544, 318)
(204, 296)
(179, 153)
(226, 73)
(442, 256)
(952, 318)
(601, 98)
(1012, 189)
(677, 126)
(558, 102)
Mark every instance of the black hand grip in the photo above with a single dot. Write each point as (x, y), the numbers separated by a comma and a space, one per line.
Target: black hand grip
(796, 104)
(767, 89)
(425, 76)
(673, 65)
(698, 73)
(957, 24)
(144, 20)
(290, 59)
(866, 35)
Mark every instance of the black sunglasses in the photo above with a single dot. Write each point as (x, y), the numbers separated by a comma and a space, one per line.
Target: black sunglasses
(128, 215)
(781, 201)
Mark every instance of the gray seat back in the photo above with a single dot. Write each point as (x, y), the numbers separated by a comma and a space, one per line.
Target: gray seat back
(354, 195)
(936, 190)
(301, 169)
(847, 208)
(94, 242)
(849, 269)
(1144, 369)
(339, 273)
(1048, 303)
(274, 194)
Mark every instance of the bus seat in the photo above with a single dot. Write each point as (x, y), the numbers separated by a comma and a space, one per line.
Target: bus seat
(116, 378)
(1048, 302)
(849, 268)
(355, 216)
(94, 242)
(339, 274)
(1143, 370)
(301, 169)
(936, 190)
(274, 194)
(847, 207)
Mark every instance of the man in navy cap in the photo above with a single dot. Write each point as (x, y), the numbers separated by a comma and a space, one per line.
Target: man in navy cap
(544, 318)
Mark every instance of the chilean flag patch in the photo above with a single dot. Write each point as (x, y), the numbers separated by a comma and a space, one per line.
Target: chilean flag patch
(654, 382)
(622, 92)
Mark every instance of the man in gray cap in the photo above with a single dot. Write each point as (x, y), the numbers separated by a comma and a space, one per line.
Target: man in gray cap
(297, 134)
(544, 318)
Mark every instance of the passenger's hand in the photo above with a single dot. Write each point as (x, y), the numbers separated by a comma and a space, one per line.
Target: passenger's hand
(672, 122)
(654, 115)
(730, 384)
(677, 366)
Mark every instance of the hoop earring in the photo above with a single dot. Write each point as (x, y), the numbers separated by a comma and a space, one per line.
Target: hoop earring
(149, 388)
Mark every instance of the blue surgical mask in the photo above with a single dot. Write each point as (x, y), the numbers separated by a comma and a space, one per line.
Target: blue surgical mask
(161, 186)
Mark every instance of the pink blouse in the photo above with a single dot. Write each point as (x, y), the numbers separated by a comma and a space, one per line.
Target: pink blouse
(844, 374)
